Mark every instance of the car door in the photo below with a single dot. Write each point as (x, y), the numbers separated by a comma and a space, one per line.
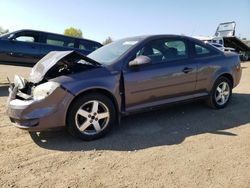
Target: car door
(170, 75)
(23, 47)
(206, 58)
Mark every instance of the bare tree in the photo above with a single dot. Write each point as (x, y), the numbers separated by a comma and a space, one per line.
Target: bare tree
(107, 41)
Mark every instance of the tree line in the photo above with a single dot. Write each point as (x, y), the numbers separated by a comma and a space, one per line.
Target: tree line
(74, 32)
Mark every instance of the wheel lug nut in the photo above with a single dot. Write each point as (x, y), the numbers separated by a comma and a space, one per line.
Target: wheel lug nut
(89, 116)
(91, 121)
(96, 119)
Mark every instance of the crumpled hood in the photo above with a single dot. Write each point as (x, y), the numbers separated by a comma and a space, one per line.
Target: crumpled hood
(52, 58)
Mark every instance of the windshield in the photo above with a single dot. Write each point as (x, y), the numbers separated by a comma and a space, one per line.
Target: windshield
(110, 53)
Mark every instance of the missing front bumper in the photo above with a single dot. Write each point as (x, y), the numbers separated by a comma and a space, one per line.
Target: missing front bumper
(39, 115)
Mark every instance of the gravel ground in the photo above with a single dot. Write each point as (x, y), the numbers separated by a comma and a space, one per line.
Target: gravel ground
(180, 146)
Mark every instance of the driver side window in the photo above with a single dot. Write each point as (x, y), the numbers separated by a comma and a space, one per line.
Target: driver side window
(153, 51)
(164, 50)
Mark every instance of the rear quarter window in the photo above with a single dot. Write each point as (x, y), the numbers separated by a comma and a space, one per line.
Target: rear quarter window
(202, 50)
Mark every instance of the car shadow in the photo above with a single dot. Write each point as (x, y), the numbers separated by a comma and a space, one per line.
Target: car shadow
(168, 126)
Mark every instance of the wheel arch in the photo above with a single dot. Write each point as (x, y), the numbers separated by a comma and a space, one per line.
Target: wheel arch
(211, 101)
(227, 75)
(98, 91)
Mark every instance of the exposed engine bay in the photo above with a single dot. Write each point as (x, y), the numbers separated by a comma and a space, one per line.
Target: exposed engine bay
(53, 65)
(70, 64)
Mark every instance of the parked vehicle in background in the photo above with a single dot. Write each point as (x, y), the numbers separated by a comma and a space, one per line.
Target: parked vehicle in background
(217, 42)
(225, 36)
(219, 46)
(28, 46)
(222, 48)
(88, 94)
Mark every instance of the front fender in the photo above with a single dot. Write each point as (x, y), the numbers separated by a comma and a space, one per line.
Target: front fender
(100, 81)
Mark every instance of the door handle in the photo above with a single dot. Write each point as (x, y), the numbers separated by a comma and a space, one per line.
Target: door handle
(187, 69)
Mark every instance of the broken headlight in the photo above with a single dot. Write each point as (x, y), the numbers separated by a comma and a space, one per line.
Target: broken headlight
(19, 82)
(42, 91)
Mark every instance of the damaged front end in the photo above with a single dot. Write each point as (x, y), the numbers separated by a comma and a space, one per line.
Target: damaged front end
(39, 103)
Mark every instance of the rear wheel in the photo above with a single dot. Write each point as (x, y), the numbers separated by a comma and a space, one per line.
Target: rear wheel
(220, 94)
(91, 116)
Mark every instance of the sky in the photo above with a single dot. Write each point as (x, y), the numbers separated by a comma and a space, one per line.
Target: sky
(99, 19)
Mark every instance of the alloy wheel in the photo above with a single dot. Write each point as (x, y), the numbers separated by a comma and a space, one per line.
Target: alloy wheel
(222, 93)
(92, 117)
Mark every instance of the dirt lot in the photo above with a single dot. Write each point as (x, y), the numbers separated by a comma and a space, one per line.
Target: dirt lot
(181, 146)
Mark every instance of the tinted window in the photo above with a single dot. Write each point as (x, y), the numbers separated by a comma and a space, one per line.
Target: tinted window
(70, 44)
(25, 36)
(60, 41)
(164, 50)
(201, 50)
(89, 46)
(149, 51)
(25, 39)
(55, 42)
(179, 46)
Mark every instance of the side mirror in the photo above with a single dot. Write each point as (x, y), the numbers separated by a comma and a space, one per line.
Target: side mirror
(140, 60)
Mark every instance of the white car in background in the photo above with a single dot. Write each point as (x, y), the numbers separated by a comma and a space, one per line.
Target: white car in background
(222, 48)
(225, 36)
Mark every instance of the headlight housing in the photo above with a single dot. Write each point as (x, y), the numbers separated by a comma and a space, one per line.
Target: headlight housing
(19, 81)
(42, 91)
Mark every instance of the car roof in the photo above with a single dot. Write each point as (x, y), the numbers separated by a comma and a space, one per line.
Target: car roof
(31, 30)
(158, 36)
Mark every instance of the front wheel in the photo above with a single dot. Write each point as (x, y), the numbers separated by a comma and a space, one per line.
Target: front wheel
(220, 94)
(91, 116)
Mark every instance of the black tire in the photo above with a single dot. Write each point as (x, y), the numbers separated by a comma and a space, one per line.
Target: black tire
(74, 117)
(211, 101)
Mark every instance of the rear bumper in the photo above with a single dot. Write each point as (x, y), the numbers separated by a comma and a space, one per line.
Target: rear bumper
(45, 114)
